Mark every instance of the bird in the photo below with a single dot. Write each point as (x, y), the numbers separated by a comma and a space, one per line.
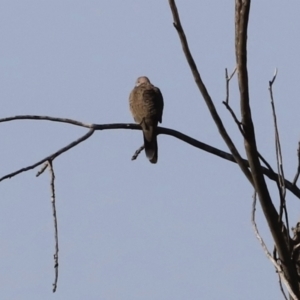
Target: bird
(146, 105)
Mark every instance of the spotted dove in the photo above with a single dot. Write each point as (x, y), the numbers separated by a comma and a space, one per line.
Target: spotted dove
(146, 105)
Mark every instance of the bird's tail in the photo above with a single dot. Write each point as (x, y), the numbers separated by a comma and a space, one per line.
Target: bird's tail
(150, 143)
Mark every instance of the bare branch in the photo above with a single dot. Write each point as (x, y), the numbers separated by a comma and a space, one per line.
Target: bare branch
(55, 256)
(42, 170)
(279, 160)
(242, 132)
(268, 254)
(277, 138)
(205, 94)
(281, 287)
(238, 123)
(227, 83)
(49, 165)
(226, 102)
(161, 130)
(242, 10)
(274, 78)
(50, 157)
(261, 241)
(298, 168)
(46, 118)
(137, 152)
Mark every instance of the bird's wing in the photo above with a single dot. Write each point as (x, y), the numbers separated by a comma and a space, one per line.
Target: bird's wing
(153, 99)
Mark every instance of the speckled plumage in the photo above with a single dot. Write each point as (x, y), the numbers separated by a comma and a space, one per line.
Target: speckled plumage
(146, 105)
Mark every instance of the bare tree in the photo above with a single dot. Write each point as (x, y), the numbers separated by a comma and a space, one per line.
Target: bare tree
(284, 258)
(286, 253)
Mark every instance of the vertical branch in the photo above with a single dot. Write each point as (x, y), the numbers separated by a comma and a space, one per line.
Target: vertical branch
(49, 165)
(228, 78)
(52, 186)
(277, 138)
(279, 160)
(268, 254)
(298, 168)
(241, 26)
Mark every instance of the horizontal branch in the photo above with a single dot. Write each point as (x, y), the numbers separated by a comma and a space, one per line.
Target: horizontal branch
(161, 130)
(46, 118)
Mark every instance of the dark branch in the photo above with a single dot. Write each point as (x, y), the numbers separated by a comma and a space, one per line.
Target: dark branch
(228, 78)
(277, 138)
(205, 94)
(50, 157)
(53, 201)
(242, 10)
(279, 160)
(298, 168)
(46, 118)
(42, 170)
(137, 152)
(268, 254)
(161, 130)
(236, 120)
(239, 125)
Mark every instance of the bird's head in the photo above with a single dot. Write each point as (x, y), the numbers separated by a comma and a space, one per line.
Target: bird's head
(141, 80)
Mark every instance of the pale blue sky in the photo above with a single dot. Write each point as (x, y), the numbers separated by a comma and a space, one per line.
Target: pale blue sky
(131, 230)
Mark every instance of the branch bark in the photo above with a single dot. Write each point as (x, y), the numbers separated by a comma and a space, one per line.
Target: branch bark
(275, 224)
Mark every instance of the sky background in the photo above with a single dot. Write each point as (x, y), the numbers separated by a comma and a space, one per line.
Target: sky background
(180, 229)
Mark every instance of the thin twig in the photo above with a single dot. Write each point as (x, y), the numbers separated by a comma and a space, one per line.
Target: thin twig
(238, 123)
(265, 162)
(236, 120)
(240, 127)
(41, 171)
(226, 102)
(137, 152)
(228, 78)
(50, 166)
(298, 168)
(281, 287)
(277, 138)
(268, 254)
(274, 78)
(279, 160)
